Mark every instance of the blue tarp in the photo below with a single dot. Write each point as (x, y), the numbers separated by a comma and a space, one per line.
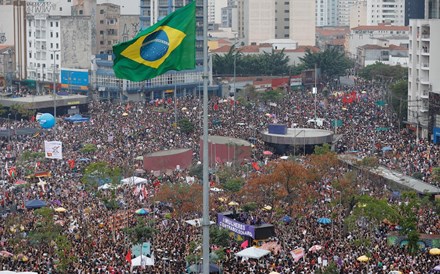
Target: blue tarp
(77, 118)
(32, 204)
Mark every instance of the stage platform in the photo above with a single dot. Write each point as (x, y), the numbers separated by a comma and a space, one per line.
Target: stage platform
(299, 136)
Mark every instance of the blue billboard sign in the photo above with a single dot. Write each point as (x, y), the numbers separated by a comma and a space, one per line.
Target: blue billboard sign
(75, 77)
(436, 135)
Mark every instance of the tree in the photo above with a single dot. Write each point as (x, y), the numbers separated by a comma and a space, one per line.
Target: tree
(233, 185)
(294, 179)
(382, 72)
(224, 64)
(219, 236)
(399, 98)
(408, 219)
(186, 198)
(142, 231)
(185, 125)
(46, 232)
(323, 161)
(369, 212)
(99, 173)
(436, 174)
(272, 96)
(89, 148)
(262, 190)
(332, 62)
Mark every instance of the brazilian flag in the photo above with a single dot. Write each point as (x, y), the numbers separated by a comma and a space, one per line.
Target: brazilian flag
(167, 45)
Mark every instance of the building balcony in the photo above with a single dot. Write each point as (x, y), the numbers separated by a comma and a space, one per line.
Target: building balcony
(424, 81)
(425, 94)
(424, 52)
(425, 37)
(424, 66)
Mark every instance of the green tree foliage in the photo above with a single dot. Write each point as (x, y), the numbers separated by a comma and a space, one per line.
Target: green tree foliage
(219, 236)
(436, 174)
(381, 71)
(46, 232)
(272, 96)
(273, 63)
(399, 98)
(141, 232)
(19, 111)
(233, 185)
(2, 110)
(89, 148)
(100, 172)
(408, 218)
(324, 149)
(369, 212)
(185, 125)
(332, 62)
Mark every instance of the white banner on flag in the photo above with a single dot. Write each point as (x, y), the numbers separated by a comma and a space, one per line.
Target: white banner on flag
(53, 149)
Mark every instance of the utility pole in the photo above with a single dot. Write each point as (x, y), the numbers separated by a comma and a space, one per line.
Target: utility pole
(54, 90)
(315, 91)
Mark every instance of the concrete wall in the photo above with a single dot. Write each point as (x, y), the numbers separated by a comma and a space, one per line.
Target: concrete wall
(6, 25)
(76, 42)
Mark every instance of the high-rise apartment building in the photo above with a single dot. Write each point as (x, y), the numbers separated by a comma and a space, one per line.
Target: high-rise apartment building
(424, 68)
(414, 9)
(282, 19)
(230, 15)
(432, 9)
(358, 14)
(344, 7)
(107, 27)
(386, 11)
(302, 22)
(259, 20)
(326, 13)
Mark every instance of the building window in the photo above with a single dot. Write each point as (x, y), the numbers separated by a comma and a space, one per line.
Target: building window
(30, 54)
(56, 34)
(30, 34)
(51, 57)
(56, 24)
(101, 12)
(61, 8)
(101, 42)
(51, 45)
(51, 34)
(101, 32)
(58, 57)
(51, 24)
(101, 22)
(80, 12)
(57, 46)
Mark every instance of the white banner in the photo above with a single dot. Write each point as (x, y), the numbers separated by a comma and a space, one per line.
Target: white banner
(53, 149)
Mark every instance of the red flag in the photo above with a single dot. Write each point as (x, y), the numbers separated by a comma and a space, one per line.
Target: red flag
(215, 107)
(128, 256)
(144, 191)
(169, 101)
(255, 166)
(71, 163)
(244, 244)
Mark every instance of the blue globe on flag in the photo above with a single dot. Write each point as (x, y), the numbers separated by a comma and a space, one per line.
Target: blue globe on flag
(46, 121)
(155, 46)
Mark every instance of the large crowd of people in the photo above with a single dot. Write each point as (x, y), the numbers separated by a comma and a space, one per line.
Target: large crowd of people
(122, 132)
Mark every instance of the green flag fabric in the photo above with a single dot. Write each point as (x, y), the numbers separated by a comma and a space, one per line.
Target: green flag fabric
(167, 45)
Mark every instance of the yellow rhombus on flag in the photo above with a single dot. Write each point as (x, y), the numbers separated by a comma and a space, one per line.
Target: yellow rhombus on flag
(167, 45)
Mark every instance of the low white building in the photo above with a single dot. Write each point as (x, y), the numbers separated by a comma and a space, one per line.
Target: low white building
(369, 35)
(383, 53)
(423, 76)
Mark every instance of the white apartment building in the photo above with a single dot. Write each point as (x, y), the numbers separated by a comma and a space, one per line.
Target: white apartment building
(282, 19)
(369, 35)
(326, 13)
(358, 14)
(302, 22)
(386, 11)
(423, 75)
(344, 7)
(259, 20)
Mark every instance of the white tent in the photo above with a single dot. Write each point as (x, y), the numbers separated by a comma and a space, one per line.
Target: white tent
(105, 187)
(252, 253)
(197, 222)
(14, 272)
(134, 181)
(142, 260)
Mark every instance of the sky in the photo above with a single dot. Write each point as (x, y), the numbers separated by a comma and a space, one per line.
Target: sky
(127, 6)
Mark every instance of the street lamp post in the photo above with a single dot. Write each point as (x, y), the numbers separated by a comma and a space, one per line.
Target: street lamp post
(54, 91)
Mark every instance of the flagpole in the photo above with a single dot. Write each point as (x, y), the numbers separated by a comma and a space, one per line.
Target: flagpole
(205, 221)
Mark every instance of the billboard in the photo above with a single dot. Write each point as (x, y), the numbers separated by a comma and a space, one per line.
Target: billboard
(75, 78)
